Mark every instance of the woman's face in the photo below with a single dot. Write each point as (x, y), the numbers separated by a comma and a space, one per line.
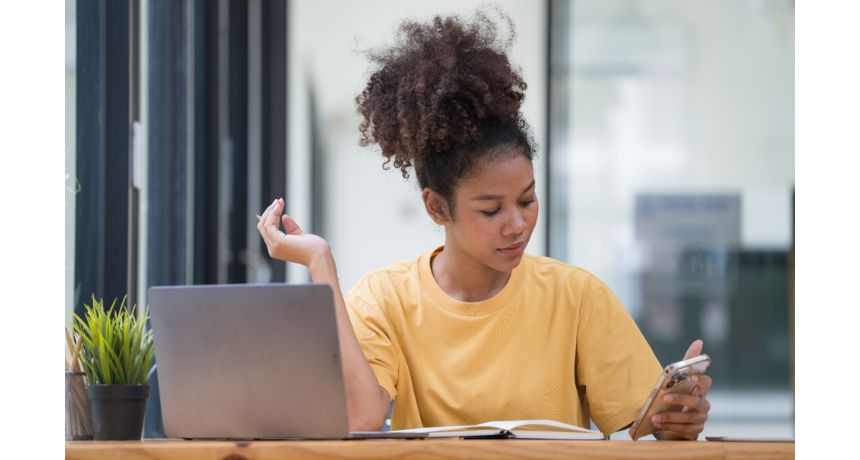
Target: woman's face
(496, 211)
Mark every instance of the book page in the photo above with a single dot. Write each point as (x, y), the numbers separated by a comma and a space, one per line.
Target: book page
(510, 425)
(545, 425)
(434, 429)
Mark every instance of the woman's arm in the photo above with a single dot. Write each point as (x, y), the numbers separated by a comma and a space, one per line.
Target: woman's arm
(367, 402)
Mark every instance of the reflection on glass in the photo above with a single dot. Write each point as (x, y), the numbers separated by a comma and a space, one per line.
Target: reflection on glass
(674, 169)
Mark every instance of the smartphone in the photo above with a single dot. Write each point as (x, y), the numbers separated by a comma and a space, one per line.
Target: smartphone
(674, 379)
(747, 439)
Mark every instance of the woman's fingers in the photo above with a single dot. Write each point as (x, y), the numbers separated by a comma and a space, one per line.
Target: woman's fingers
(693, 401)
(695, 349)
(282, 244)
(268, 226)
(271, 220)
(290, 226)
(684, 418)
(688, 422)
(684, 430)
(290, 244)
(703, 384)
(260, 218)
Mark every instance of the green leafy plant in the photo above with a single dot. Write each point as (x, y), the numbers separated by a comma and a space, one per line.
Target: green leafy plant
(116, 348)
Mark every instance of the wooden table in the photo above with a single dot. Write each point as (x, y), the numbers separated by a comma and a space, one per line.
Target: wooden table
(153, 449)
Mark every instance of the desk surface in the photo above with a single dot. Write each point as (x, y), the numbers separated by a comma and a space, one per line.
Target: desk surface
(424, 448)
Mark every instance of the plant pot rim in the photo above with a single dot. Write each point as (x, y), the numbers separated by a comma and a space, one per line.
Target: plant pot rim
(118, 385)
(118, 391)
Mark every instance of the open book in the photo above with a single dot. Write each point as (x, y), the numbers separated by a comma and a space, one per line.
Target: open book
(522, 429)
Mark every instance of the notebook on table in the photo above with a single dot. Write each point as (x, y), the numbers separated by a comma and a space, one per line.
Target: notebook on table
(250, 362)
(518, 429)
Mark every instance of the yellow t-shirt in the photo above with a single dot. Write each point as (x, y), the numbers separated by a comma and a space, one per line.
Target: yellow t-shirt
(553, 333)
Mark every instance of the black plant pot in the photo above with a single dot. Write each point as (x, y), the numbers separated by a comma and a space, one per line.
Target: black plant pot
(117, 411)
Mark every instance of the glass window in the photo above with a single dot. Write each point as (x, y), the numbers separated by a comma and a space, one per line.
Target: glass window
(672, 152)
(71, 185)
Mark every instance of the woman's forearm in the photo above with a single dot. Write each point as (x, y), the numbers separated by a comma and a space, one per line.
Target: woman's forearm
(367, 402)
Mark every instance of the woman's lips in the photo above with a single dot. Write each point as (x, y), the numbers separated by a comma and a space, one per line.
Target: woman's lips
(514, 249)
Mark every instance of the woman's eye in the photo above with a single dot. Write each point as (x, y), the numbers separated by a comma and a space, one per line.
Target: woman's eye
(526, 203)
(490, 213)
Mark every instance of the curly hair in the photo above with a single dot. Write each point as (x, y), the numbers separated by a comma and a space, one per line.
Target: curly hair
(443, 97)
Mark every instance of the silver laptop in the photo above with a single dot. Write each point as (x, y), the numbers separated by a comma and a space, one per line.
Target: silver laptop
(250, 362)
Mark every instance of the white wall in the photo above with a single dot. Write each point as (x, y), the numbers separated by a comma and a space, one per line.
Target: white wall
(373, 217)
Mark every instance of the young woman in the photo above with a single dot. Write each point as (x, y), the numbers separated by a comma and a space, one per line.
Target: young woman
(475, 330)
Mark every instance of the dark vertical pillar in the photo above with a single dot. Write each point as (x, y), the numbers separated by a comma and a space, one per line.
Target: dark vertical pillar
(206, 141)
(102, 141)
(238, 133)
(167, 164)
(274, 102)
(790, 331)
(117, 135)
(221, 141)
(134, 115)
(89, 167)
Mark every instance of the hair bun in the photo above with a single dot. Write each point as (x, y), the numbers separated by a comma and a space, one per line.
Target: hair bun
(436, 85)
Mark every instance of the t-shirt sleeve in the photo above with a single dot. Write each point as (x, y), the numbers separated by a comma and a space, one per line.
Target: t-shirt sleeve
(374, 335)
(614, 362)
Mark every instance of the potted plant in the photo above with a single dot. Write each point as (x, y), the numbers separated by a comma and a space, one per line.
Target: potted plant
(116, 354)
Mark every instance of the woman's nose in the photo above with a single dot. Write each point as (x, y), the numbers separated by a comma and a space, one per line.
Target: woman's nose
(516, 225)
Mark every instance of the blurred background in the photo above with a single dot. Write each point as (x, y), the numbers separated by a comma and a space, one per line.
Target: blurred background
(665, 162)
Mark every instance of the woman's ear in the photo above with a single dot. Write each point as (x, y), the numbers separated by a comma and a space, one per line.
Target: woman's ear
(436, 206)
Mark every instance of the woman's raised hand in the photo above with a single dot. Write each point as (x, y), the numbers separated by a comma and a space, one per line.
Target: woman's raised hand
(689, 421)
(291, 244)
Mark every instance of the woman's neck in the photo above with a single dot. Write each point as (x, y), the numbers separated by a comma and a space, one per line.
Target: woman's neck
(464, 278)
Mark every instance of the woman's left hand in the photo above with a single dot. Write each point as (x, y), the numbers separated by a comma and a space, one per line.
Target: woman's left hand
(689, 421)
